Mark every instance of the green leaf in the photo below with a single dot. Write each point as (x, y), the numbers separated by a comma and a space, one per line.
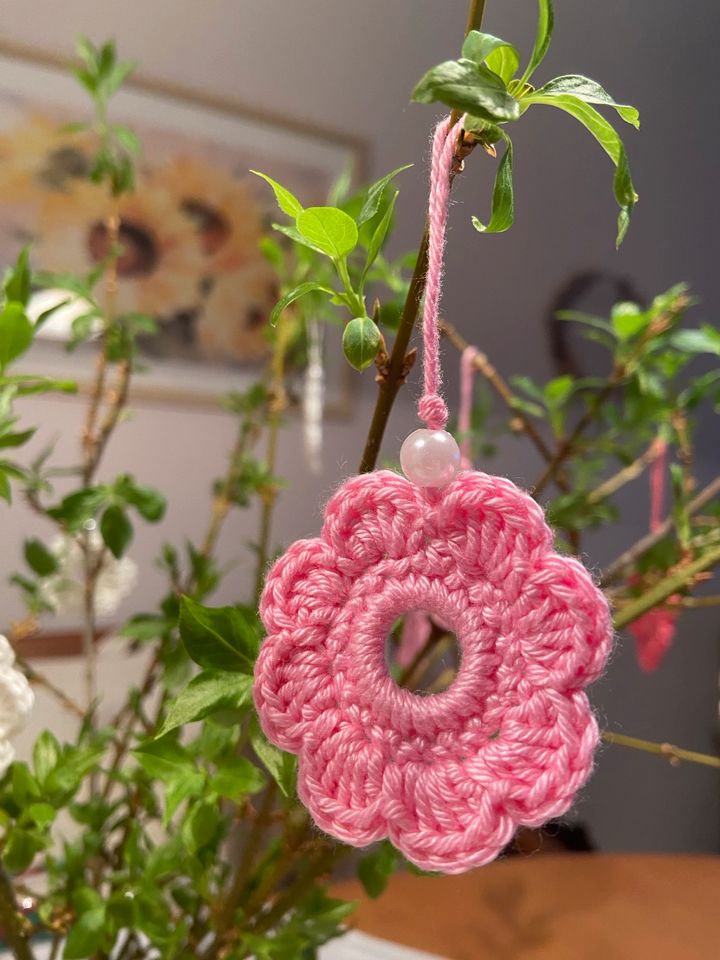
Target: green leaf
(201, 827)
(164, 759)
(20, 850)
(288, 203)
(42, 813)
(330, 229)
(361, 342)
(557, 391)
(503, 202)
(40, 560)
(590, 92)
(611, 143)
(704, 340)
(543, 36)
(148, 501)
(469, 87)
(116, 530)
(379, 234)
(46, 754)
(210, 691)
(111, 84)
(218, 638)
(281, 766)
(500, 56)
(16, 333)
(628, 320)
(25, 787)
(17, 279)
(301, 290)
(375, 193)
(375, 869)
(16, 439)
(236, 777)
(76, 508)
(294, 234)
(189, 783)
(86, 935)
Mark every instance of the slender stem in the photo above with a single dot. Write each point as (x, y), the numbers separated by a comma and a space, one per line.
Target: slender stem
(476, 12)
(40, 680)
(706, 495)
(666, 588)
(12, 921)
(629, 473)
(674, 754)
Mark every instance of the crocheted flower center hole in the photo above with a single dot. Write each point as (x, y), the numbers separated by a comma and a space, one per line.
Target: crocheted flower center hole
(422, 657)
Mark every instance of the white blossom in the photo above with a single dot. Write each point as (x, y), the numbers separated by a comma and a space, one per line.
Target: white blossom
(16, 702)
(64, 589)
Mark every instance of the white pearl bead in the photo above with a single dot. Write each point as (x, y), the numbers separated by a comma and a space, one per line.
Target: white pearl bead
(430, 458)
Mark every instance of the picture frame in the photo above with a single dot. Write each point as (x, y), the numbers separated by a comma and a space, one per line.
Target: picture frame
(188, 133)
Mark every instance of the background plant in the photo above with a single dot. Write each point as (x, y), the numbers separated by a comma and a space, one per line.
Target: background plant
(188, 839)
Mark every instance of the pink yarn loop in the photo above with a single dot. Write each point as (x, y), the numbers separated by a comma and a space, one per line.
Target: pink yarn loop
(467, 370)
(443, 152)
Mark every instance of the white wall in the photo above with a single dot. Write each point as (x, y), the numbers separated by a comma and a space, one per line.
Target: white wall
(352, 66)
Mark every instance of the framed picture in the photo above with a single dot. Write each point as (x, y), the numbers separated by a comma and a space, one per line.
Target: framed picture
(189, 232)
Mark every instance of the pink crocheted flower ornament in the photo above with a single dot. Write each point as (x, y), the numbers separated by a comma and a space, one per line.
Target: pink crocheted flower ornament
(447, 777)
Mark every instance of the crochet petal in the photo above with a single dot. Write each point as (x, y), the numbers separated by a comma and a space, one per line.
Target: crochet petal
(492, 529)
(294, 685)
(559, 626)
(373, 516)
(341, 782)
(303, 587)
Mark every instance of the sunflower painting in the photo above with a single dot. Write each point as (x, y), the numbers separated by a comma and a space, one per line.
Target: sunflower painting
(190, 233)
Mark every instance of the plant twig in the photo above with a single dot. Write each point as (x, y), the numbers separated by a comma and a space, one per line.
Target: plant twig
(40, 680)
(670, 751)
(13, 923)
(633, 553)
(665, 588)
(629, 473)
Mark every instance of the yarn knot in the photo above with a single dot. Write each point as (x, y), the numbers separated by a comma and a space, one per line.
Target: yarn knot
(433, 411)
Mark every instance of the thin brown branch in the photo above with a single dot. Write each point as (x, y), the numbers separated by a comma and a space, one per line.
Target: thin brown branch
(629, 473)
(40, 680)
(670, 751)
(15, 928)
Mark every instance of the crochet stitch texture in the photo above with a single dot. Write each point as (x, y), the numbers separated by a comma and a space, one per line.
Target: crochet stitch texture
(450, 776)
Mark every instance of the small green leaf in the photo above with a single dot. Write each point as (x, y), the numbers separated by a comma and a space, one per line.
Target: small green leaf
(611, 143)
(557, 391)
(218, 638)
(543, 36)
(116, 530)
(375, 869)
(16, 333)
(46, 754)
(499, 56)
(164, 759)
(76, 508)
(503, 202)
(20, 850)
(466, 86)
(86, 935)
(280, 765)
(374, 195)
(210, 691)
(330, 229)
(591, 92)
(704, 340)
(288, 203)
(361, 342)
(127, 138)
(236, 777)
(40, 560)
(301, 290)
(17, 279)
(628, 319)
(148, 502)
(379, 234)
(42, 813)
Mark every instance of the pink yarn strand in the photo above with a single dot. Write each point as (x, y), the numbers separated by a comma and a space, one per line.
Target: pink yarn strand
(467, 379)
(432, 409)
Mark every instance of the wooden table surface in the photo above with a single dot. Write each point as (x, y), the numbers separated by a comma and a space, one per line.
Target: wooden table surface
(555, 907)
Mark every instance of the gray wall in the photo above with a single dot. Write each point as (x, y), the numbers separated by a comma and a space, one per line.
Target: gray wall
(352, 66)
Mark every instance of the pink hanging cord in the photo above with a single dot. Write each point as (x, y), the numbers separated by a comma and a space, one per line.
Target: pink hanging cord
(467, 379)
(432, 409)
